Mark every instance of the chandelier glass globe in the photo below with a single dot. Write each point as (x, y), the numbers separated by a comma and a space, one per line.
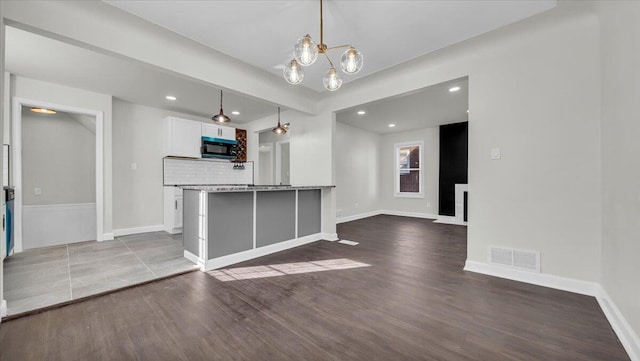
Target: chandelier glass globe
(305, 51)
(293, 72)
(331, 80)
(351, 61)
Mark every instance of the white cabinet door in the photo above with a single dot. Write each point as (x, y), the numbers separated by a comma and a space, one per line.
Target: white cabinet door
(182, 138)
(218, 131)
(178, 212)
(228, 133)
(173, 209)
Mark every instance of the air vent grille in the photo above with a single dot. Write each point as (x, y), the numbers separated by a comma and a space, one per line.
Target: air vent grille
(520, 259)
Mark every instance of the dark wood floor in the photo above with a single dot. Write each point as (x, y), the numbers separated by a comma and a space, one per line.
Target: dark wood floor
(413, 303)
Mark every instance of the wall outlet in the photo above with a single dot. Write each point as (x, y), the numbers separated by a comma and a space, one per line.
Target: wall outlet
(338, 213)
(428, 204)
(37, 191)
(134, 166)
(356, 205)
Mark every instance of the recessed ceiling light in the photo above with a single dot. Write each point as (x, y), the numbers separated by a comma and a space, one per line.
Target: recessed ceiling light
(454, 89)
(43, 110)
(391, 125)
(170, 97)
(361, 112)
(235, 112)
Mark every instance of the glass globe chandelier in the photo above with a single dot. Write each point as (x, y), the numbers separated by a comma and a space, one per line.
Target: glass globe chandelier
(306, 53)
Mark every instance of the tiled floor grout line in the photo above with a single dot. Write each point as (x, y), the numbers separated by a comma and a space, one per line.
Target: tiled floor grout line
(69, 269)
(141, 261)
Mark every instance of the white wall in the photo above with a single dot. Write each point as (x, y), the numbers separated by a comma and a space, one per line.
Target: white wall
(538, 99)
(3, 111)
(62, 95)
(621, 156)
(427, 206)
(59, 158)
(138, 138)
(358, 171)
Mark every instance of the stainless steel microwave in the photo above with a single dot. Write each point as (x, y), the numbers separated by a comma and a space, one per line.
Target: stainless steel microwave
(219, 148)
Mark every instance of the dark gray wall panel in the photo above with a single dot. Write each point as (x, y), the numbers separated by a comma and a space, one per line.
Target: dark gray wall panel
(454, 160)
(230, 223)
(309, 209)
(275, 217)
(191, 204)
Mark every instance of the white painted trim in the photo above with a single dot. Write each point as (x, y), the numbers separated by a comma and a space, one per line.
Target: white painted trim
(540, 279)
(396, 170)
(107, 236)
(331, 237)
(193, 258)
(138, 230)
(628, 337)
(16, 141)
(409, 214)
(3, 308)
(357, 216)
(259, 252)
(296, 214)
(449, 220)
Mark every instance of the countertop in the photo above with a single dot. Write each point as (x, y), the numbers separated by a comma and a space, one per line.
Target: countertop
(247, 188)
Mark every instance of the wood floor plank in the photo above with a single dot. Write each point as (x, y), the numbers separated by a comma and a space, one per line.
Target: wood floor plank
(412, 302)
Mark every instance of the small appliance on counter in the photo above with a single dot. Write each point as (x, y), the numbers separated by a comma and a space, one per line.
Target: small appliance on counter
(7, 223)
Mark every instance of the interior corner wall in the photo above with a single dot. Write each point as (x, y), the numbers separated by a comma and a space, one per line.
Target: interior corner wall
(138, 138)
(357, 170)
(427, 206)
(4, 114)
(538, 99)
(58, 94)
(620, 39)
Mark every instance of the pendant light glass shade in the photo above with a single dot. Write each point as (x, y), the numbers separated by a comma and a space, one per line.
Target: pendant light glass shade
(331, 80)
(221, 118)
(351, 61)
(293, 72)
(305, 51)
(279, 130)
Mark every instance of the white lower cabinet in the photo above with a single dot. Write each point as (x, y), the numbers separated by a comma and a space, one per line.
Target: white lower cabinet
(173, 209)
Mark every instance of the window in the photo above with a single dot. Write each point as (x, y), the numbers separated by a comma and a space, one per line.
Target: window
(408, 170)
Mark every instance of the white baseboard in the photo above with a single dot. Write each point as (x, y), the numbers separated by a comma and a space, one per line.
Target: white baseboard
(449, 220)
(330, 237)
(137, 230)
(409, 214)
(259, 252)
(387, 212)
(628, 337)
(107, 237)
(355, 217)
(540, 279)
(3, 308)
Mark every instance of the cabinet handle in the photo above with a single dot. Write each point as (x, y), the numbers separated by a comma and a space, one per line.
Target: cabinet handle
(176, 204)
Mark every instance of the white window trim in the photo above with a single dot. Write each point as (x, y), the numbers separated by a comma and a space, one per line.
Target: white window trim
(396, 171)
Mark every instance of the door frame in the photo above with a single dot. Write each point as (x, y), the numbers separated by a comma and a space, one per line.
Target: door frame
(278, 159)
(16, 159)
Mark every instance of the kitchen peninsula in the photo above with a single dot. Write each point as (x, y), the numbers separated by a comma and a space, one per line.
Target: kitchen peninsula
(223, 225)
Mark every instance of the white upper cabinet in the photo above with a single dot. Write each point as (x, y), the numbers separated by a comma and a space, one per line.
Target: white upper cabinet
(182, 138)
(218, 131)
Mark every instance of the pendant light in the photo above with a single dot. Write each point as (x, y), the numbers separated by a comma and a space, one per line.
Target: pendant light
(306, 52)
(221, 118)
(280, 129)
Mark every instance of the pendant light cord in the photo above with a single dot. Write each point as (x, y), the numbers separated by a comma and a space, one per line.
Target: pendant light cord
(220, 101)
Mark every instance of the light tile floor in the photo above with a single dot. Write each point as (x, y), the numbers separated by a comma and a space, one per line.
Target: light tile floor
(46, 276)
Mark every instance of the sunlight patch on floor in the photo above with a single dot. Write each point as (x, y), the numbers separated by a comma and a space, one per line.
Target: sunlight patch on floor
(245, 273)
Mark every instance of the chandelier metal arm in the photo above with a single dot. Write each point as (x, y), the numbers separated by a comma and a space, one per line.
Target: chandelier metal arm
(328, 59)
(340, 46)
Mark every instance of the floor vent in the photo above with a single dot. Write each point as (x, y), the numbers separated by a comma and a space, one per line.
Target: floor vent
(526, 260)
(350, 243)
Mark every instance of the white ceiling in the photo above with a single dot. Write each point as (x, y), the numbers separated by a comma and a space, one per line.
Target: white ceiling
(428, 107)
(42, 58)
(262, 33)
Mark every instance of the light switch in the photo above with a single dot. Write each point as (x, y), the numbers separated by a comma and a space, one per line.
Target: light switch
(495, 153)
(134, 166)
(37, 191)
